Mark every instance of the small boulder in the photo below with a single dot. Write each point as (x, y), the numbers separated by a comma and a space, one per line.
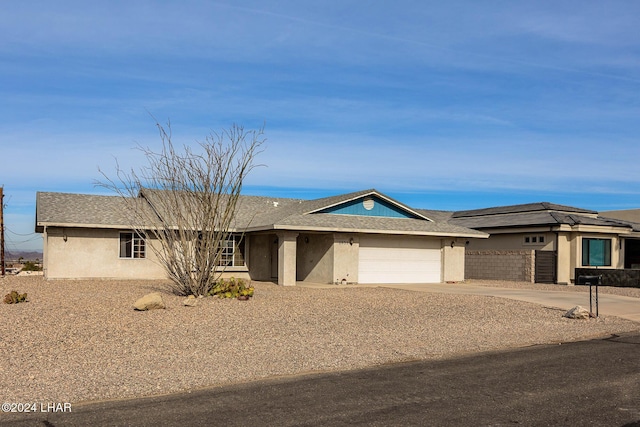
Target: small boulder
(577, 312)
(191, 301)
(150, 301)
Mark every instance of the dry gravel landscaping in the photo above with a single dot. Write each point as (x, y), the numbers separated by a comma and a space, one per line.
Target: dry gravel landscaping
(78, 341)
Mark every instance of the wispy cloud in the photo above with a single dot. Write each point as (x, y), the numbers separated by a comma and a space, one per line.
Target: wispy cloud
(503, 99)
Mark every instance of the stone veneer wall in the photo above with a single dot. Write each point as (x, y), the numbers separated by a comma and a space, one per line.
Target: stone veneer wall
(514, 265)
(623, 278)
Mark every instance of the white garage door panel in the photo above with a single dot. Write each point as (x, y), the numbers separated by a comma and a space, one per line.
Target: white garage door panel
(399, 260)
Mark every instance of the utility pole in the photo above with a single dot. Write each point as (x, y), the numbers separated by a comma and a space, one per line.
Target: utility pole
(2, 230)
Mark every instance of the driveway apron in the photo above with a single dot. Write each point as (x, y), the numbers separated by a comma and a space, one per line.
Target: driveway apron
(611, 305)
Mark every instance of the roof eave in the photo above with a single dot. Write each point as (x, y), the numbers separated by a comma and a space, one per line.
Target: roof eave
(276, 227)
(44, 224)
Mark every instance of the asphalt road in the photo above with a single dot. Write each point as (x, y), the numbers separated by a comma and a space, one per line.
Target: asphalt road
(589, 383)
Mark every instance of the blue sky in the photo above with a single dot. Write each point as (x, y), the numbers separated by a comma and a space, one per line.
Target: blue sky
(441, 105)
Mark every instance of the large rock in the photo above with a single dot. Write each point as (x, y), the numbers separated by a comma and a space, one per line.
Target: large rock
(191, 301)
(577, 312)
(150, 301)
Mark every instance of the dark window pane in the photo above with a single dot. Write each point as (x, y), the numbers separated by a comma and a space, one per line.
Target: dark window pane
(125, 245)
(596, 252)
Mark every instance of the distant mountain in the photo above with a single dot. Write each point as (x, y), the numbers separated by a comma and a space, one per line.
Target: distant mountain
(26, 255)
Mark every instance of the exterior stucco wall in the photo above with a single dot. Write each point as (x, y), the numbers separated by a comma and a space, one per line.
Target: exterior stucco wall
(334, 258)
(327, 258)
(453, 260)
(315, 258)
(346, 249)
(82, 253)
(78, 253)
(287, 244)
(566, 257)
(513, 241)
(568, 245)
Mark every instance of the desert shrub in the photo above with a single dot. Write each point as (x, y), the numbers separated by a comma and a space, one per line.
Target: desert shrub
(14, 297)
(232, 288)
(31, 266)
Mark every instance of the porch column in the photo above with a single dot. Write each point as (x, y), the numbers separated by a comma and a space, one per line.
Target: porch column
(565, 264)
(287, 258)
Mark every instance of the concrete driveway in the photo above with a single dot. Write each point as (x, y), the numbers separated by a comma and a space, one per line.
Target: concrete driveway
(610, 305)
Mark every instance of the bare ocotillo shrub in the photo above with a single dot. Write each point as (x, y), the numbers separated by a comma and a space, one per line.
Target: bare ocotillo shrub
(184, 202)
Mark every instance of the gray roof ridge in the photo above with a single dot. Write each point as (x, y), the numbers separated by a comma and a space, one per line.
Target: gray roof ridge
(64, 193)
(242, 196)
(556, 216)
(339, 198)
(520, 208)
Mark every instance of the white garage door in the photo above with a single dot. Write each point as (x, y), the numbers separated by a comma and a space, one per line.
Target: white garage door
(389, 259)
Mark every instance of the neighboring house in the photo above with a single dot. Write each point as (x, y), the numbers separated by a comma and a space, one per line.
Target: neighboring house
(631, 246)
(361, 237)
(563, 238)
(630, 215)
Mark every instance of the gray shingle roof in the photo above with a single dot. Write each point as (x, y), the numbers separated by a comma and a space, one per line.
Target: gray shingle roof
(373, 224)
(506, 220)
(299, 215)
(532, 214)
(253, 213)
(528, 207)
(81, 210)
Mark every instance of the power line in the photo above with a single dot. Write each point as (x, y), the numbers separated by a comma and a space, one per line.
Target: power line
(34, 238)
(18, 234)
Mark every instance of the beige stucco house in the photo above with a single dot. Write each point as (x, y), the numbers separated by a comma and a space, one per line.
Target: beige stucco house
(559, 238)
(361, 237)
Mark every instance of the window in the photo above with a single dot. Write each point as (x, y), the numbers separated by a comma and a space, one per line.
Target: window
(533, 240)
(232, 252)
(596, 252)
(132, 245)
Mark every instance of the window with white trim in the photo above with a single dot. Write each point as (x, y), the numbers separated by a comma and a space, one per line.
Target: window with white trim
(232, 252)
(132, 245)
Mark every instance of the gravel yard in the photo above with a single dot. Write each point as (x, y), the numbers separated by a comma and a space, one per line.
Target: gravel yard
(77, 341)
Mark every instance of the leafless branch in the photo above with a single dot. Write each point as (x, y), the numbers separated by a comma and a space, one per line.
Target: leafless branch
(184, 201)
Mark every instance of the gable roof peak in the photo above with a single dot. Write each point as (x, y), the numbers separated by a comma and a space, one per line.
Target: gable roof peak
(328, 203)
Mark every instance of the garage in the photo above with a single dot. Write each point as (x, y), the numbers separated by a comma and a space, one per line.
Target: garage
(395, 259)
